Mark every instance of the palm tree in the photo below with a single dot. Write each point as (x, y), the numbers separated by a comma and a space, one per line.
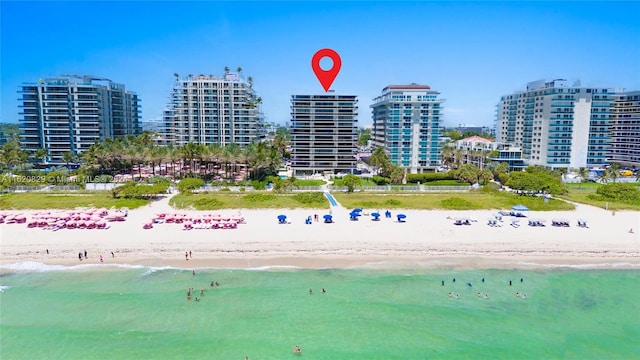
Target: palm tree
(68, 157)
(583, 173)
(226, 69)
(612, 172)
(190, 151)
(379, 158)
(41, 154)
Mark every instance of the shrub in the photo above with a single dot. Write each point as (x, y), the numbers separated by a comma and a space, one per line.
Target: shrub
(310, 198)
(225, 189)
(187, 185)
(625, 193)
(380, 180)
(427, 177)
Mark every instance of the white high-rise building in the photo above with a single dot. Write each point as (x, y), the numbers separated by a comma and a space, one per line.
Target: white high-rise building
(70, 113)
(557, 125)
(407, 121)
(207, 109)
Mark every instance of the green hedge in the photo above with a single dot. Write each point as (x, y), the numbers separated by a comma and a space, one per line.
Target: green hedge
(427, 177)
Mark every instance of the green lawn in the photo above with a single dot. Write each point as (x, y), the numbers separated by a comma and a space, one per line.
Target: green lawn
(67, 200)
(254, 200)
(310, 182)
(457, 201)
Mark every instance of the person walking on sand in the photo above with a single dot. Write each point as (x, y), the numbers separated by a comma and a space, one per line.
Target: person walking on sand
(101, 258)
(186, 256)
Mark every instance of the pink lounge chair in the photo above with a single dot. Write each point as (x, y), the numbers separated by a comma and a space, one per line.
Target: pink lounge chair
(147, 226)
(32, 224)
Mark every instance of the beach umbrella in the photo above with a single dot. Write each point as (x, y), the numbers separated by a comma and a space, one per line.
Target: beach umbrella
(327, 216)
(357, 210)
(520, 207)
(401, 217)
(282, 217)
(375, 214)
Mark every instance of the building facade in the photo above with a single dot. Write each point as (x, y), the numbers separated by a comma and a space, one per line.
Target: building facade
(324, 133)
(476, 150)
(70, 113)
(557, 125)
(407, 122)
(625, 130)
(207, 109)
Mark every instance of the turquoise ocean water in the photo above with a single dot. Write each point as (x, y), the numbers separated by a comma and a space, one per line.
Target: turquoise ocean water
(143, 313)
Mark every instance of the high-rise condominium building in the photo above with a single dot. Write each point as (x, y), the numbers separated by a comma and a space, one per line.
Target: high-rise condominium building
(407, 122)
(557, 125)
(70, 113)
(625, 129)
(324, 133)
(213, 110)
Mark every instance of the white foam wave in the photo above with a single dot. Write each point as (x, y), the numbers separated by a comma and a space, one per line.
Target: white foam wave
(3, 288)
(274, 267)
(614, 265)
(153, 270)
(32, 266)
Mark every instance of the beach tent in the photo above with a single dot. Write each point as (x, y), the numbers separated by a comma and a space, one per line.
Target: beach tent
(282, 219)
(328, 218)
(520, 207)
(401, 217)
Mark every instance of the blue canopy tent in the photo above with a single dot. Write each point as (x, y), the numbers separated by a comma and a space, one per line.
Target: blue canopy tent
(520, 207)
(357, 210)
(282, 219)
(353, 216)
(328, 219)
(401, 217)
(375, 216)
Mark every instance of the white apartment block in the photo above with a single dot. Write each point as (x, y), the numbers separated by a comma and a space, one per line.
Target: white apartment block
(557, 125)
(70, 113)
(207, 109)
(407, 121)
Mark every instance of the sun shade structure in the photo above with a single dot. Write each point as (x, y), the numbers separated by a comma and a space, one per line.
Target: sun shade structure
(282, 219)
(520, 207)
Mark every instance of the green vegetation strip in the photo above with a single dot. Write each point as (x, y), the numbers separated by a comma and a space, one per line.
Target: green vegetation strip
(458, 201)
(39, 200)
(608, 196)
(216, 201)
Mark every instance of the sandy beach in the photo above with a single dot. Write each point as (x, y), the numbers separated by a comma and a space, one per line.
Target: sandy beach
(426, 239)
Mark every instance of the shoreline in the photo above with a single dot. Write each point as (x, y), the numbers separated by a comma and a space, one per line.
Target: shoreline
(428, 239)
(373, 263)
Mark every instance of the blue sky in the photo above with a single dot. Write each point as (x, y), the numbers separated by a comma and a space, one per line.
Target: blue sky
(471, 52)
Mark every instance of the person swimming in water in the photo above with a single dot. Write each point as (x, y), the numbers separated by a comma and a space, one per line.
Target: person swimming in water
(450, 295)
(297, 350)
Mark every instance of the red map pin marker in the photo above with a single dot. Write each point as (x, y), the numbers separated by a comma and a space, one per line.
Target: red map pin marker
(326, 77)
